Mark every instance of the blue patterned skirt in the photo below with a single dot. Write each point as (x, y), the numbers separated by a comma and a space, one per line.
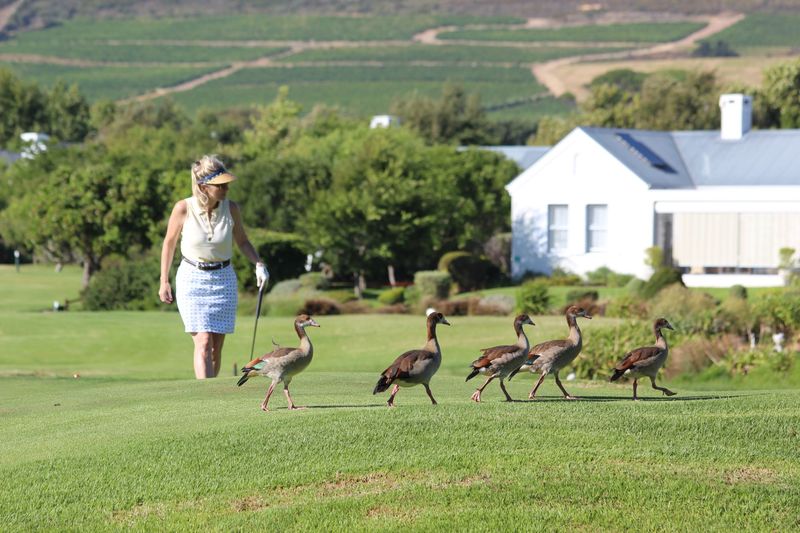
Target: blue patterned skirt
(207, 299)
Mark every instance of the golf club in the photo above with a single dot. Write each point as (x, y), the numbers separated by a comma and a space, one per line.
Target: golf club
(258, 313)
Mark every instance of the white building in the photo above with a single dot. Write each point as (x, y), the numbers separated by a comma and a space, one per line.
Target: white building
(719, 203)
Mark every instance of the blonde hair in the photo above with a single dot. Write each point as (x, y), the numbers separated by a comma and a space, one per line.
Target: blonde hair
(206, 165)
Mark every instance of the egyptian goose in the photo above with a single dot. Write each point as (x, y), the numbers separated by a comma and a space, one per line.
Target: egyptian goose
(500, 361)
(282, 364)
(551, 356)
(646, 361)
(415, 366)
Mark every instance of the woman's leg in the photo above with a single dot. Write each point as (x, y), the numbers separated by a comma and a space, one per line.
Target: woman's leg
(217, 340)
(203, 351)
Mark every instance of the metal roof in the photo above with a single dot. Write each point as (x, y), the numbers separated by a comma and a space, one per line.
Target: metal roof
(689, 159)
(523, 156)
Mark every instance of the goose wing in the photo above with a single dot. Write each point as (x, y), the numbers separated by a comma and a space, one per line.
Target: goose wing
(546, 349)
(491, 355)
(403, 366)
(638, 358)
(259, 362)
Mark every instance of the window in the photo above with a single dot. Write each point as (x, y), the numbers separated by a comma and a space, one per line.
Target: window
(556, 227)
(596, 228)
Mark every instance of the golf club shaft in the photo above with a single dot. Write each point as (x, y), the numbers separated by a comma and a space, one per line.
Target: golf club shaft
(258, 313)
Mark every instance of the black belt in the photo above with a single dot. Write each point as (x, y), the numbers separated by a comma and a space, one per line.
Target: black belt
(208, 266)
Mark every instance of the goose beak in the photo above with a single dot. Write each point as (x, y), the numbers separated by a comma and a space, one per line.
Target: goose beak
(313, 322)
(587, 316)
(669, 326)
(445, 322)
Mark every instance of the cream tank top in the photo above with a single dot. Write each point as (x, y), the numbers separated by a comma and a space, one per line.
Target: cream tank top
(204, 239)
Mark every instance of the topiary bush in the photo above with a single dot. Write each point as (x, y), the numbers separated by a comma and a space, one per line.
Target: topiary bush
(627, 306)
(314, 280)
(392, 296)
(738, 291)
(432, 284)
(124, 284)
(533, 297)
(468, 271)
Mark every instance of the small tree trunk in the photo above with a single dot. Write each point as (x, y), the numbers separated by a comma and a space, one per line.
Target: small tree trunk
(356, 285)
(362, 283)
(390, 271)
(90, 266)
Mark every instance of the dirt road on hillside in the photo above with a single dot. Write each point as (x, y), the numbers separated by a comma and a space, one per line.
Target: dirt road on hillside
(548, 73)
(7, 12)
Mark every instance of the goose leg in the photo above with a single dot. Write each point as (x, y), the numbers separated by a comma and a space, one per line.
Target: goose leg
(635, 384)
(503, 388)
(567, 395)
(476, 396)
(430, 394)
(396, 388)
(292, 406)
(665, 390)
(532, 394)
(266, 398)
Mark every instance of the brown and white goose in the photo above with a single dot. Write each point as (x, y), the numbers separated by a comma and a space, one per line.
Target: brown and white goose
(551, 356)
(415, 366)
(282, 364)
(500, 361)
(646, 361)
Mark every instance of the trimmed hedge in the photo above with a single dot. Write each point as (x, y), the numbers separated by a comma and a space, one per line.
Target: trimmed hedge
(432, 283)
(533, 297)
(468, 271)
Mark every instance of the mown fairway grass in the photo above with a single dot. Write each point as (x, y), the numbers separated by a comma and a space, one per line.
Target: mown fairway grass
(135, 442)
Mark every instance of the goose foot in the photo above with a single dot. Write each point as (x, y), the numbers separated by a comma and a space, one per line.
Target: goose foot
(264, 408)
(476, 396)
(668, 392)
(296, 408)
(531, 396)
(571, 397)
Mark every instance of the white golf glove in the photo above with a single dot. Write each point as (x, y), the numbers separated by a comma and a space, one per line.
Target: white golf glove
(262, 275)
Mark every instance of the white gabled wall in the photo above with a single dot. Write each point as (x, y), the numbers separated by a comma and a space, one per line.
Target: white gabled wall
(578, 172)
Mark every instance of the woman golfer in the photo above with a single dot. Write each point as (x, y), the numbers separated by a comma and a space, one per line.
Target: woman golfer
(208, 223)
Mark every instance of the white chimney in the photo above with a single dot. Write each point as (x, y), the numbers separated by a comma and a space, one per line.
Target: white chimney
(737, 116)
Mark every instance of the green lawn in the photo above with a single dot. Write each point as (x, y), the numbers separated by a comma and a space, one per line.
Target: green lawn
(135, 442)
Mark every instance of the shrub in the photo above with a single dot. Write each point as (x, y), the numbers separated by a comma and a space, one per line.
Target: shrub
(734, 316)
(698, 353)
(314, 280)
(320, 306)
(341, 296)
(577, 295)
(738, 291)
(606, 277)
(468, 271)
(124, 284)
(661, 278)
(286, 287)
(779, 310)
(533, 297)
(432, 283)
(634, 286)
(392, 296)
(564, 278)
(627, 306)
(688, 311)
(604, 347)
(283, 253)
